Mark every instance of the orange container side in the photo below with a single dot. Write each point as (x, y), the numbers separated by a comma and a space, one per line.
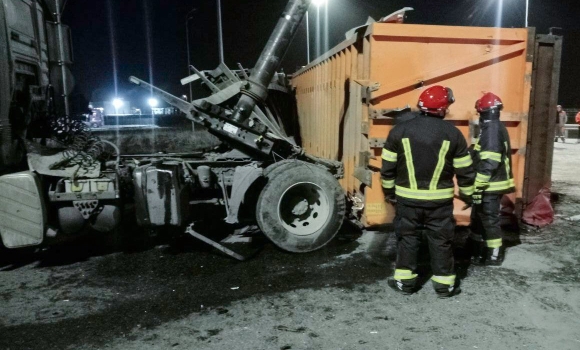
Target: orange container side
(342, 95)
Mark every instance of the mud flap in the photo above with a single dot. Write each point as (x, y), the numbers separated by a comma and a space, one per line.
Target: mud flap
(23, 213)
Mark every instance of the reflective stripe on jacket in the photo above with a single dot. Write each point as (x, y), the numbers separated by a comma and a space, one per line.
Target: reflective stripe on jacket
(421, 158)
(492, 159)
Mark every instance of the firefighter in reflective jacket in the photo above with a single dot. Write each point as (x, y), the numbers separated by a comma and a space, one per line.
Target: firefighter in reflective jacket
(420, 158)
(494, 178)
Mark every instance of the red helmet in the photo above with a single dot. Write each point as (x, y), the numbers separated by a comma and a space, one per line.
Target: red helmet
(436, 100)
(488, 102)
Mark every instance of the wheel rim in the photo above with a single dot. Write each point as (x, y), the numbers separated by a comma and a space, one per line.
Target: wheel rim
(303, 208)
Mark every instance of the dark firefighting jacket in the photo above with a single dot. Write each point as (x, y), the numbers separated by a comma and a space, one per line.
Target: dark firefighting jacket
(421, 157)
(492, 158)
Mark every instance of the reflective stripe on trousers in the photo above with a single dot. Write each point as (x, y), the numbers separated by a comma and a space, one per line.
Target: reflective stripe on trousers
(485, 219)
(402, 274)
(448, 280)
(438, 227)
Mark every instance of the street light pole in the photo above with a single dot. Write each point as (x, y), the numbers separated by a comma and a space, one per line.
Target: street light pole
(307, 39)
(220, 30)
(188, 17)
(62, 59)
(527, 11)
(318, 4)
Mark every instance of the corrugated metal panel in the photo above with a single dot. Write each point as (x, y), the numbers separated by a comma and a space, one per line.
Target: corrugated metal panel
(387, 67)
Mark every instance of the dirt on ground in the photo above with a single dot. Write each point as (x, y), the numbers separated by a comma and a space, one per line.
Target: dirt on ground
(183, 295)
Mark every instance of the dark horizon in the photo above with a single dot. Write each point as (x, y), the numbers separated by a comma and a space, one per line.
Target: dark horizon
(150, 42)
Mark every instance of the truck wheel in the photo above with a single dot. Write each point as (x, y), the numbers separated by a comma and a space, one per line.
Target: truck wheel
(279, 166)
(301, 208)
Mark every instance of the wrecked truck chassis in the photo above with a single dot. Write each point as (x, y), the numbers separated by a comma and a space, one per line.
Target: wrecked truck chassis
(262, 155)
(294, 198)
(172, 192)
(298, 205)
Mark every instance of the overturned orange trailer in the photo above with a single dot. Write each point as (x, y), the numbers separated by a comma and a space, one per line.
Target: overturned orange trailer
(344, 98)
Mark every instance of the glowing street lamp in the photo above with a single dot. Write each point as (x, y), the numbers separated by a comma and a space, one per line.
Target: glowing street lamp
(319, 3)
(153, 102)
(118, 103)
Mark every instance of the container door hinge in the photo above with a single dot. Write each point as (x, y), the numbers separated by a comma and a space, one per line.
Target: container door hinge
(387, 113)
(367, 89)
(365, 128)
(364, 175)
(377, 142)
(364, 159)
(362, 172)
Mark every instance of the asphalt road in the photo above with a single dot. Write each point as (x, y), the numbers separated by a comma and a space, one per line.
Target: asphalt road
(180, 294)
(85, 294)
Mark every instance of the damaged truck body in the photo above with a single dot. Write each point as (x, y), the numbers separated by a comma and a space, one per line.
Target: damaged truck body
(294, 165)
(259, 175)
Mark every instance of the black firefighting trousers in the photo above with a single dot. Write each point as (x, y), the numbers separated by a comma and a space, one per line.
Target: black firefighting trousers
(485, 219)
(439, 226)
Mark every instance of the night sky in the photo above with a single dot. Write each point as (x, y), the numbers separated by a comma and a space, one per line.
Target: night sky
(100, 28)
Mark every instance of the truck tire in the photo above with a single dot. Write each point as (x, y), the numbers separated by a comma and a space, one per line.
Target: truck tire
(301, 208)
(279, 166)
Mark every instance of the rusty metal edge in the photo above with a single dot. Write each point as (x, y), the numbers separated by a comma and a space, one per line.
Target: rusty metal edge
(556, 41)
(530, 54)
(531, 57)
(338, 48)
(555, 88)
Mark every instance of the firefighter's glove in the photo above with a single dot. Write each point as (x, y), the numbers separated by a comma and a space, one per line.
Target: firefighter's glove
(468, 200)
(477, 197)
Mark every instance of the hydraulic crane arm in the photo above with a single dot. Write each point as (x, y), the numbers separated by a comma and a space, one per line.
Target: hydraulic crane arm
(270, 59)
(247, 126)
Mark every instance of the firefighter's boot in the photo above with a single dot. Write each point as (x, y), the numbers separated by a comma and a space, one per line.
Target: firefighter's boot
(494, 256)
(405, 287)
(445, 290)
(479, 254)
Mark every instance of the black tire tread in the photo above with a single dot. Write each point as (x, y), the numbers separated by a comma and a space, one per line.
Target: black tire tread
(275, 232)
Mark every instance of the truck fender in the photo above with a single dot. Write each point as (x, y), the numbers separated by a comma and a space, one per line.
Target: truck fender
(244, 178)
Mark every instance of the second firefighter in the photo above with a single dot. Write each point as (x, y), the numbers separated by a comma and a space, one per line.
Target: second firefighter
(493, 163)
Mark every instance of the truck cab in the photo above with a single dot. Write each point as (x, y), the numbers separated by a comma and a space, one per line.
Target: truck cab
(35, 79)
